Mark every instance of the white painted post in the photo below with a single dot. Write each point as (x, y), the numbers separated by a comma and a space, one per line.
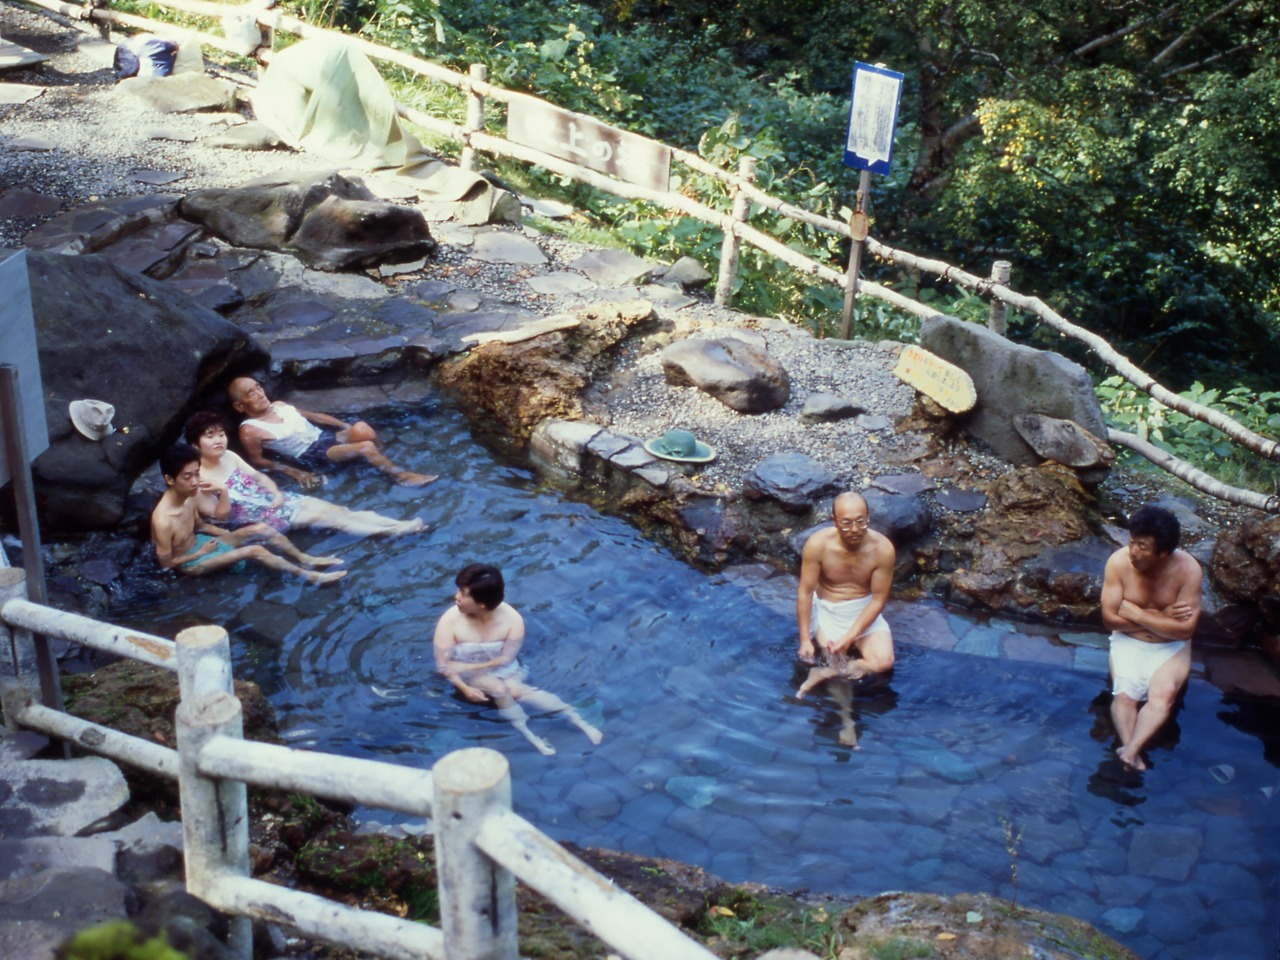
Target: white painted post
(475, 116)
(19, 679)
(732, 244)
(477, 897)
(998, 318)
(204, 662)
(215, 813)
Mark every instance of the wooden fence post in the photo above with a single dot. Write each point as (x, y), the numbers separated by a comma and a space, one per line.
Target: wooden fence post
(19, 680)
(204, 662)
(477, 897)
(732, 244)
(998, 318)
(475, 116)
(215, 813)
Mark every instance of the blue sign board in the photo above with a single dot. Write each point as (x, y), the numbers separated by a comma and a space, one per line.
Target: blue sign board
(873, 116)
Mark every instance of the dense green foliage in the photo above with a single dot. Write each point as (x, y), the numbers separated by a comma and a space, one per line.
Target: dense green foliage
(1124, 156)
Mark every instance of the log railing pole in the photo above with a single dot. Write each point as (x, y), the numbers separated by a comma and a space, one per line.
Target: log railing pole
(475, 116)
(732, 244)
(477, 897)
(998, 318)
(215, 813)
(19, 681)
(204, 662)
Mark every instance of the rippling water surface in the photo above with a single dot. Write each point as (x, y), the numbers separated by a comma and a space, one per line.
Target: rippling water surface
(707, 757)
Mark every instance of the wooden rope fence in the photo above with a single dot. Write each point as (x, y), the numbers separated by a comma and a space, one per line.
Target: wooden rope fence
(745, 194)
(482, 846)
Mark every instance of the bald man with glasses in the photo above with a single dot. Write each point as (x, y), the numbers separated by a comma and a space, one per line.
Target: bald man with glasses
(846, 571)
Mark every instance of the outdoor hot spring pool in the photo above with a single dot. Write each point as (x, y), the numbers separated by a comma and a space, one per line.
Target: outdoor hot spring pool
(708, 758)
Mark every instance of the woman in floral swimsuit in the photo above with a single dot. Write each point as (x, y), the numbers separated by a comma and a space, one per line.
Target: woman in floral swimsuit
(253, 497)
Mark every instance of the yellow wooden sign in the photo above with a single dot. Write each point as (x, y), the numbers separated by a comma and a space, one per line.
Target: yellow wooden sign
(936, 378)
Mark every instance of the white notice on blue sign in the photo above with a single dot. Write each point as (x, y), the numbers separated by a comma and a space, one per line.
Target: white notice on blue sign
(873, 116)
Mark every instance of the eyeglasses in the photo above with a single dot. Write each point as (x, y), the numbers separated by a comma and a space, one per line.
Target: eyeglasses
(852, 524)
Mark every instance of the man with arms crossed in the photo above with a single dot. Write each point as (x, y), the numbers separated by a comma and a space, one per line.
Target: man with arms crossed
(312, 439)
(846, 571)
(1151, 603)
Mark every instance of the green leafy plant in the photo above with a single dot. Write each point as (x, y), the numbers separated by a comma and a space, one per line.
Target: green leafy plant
(1134, 411)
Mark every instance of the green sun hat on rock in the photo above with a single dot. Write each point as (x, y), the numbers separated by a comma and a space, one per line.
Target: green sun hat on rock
(680, 445)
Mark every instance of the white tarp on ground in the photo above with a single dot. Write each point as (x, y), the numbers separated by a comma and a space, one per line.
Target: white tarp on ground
(324, 96)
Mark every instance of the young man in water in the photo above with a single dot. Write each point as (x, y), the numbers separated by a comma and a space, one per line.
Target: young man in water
(476, 643)
(1151, 603)
(846, 571)
(314, 440)
(184, 542)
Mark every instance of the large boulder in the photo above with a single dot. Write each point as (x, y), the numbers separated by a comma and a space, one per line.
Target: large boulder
(518, 384)
(794, 480)
(741, 375)
(1036, 548)
(329, 221)
(1245, 566)
(110, 334)
(1011, 379)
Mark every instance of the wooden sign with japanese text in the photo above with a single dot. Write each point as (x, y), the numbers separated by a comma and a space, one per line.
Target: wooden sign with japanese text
(589, 143)
(936, 378)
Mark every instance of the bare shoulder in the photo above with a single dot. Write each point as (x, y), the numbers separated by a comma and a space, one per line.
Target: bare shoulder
(1118, 563)
(882, 545)
(1189, 569)
(819, 539)
(448, 622)
(511, 618)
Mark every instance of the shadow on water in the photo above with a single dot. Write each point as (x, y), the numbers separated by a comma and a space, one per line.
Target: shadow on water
(709, 758)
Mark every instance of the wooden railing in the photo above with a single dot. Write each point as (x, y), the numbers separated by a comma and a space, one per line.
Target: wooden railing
(482, 846)
(741, 188)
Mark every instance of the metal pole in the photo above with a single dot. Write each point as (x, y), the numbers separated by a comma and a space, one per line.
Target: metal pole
(15, 452)
(477, 897)
(732, 244)
(215, 813)
(855, 254)
(475, 117)
(998, 316)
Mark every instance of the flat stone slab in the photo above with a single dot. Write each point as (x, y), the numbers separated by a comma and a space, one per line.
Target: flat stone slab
(499, 247)
(26, 858)
(13, 93)
(397, 269)
(182, 93)
(169, 133)
(37, 914)
(611, 268)
(301, 313)
(58, 797)
(27, 203)
(905, 483)
(31, 144)
(527, 331)
(157, 178)
(551, 209)
(666, 297)
(555, 284)
(962, 501)
(13, 55)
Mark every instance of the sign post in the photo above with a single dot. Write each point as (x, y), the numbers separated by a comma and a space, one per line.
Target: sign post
(873, 116)
(23, 437)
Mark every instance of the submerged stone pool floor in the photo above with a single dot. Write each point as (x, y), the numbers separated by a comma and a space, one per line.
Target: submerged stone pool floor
(992, 736)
